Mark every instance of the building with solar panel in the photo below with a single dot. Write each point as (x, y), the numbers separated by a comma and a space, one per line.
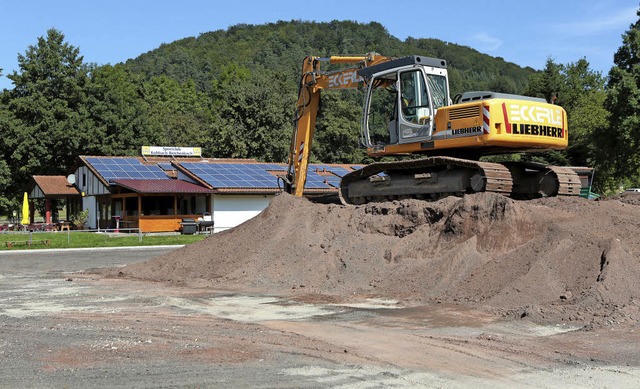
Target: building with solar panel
(156, 194)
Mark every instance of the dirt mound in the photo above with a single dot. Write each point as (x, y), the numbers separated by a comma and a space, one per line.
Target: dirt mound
(552, 260)
(632, 198)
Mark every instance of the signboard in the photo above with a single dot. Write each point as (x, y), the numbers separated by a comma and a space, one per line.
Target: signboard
(172, 151)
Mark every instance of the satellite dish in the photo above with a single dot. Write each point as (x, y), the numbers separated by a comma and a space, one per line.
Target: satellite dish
(71, 179)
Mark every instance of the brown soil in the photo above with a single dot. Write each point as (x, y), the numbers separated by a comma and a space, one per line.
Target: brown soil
(549, 260)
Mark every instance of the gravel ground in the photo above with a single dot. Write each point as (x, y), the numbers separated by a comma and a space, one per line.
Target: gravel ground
(60, 327)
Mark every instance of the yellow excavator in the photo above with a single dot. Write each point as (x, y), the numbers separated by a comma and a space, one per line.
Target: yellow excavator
(407, 110)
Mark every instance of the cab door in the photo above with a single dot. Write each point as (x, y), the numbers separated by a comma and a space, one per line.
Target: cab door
(415, 107)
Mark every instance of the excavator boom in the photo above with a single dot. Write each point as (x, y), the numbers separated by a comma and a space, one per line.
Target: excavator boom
(312, 82)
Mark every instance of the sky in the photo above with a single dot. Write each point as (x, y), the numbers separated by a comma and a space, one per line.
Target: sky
(526, 33)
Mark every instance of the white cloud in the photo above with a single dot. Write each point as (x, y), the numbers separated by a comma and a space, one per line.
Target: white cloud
(619, 20)
(486, 42)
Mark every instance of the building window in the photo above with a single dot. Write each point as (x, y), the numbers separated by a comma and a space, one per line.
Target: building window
(157, 205)
(131, 206)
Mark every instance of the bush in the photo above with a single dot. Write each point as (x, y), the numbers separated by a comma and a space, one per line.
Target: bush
(80, 219)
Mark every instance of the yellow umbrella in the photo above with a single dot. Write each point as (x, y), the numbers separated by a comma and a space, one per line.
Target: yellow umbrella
(25, 210)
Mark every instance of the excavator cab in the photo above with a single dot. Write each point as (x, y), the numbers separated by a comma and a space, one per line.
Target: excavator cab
(402, 98)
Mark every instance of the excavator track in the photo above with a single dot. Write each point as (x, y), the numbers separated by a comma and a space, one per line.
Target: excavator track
(436, 177)
(538, 180)
(568, 180)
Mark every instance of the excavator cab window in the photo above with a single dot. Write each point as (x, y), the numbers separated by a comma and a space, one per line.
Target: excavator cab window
(415, 99)
(416, 107)
(438, 86)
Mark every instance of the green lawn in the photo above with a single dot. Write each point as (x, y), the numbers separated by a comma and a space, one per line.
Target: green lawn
(63, 239)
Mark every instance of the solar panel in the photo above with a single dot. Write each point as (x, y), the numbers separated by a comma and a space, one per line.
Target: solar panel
(324, 176)
(272, 166)
(166, 166)
(235, 175)
(218, 175)
(339, 171)
(112, 169)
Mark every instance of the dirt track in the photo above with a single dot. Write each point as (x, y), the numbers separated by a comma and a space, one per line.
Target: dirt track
(481, 291)
(60, 328)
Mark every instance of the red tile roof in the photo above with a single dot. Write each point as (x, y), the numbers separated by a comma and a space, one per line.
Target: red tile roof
(161, 186)
(55, 186)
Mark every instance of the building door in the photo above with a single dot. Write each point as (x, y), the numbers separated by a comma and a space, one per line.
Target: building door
(90, 203)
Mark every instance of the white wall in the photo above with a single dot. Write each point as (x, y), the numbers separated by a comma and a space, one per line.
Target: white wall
(88, 183)
(231, 210)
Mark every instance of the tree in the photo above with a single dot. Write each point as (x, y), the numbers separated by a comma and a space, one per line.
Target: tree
(583, 98)
(619, 142)
(178, 114)
(580, 91)
(8, 197)
(338, 129)
(251, 114)
(52, 125)
(548, 84)
(503, 84)
(118, 112)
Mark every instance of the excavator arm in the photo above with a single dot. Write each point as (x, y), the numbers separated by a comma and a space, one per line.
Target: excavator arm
(312, 82)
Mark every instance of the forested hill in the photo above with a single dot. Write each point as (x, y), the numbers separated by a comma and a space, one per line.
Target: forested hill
(280, 47)
(233, 93)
